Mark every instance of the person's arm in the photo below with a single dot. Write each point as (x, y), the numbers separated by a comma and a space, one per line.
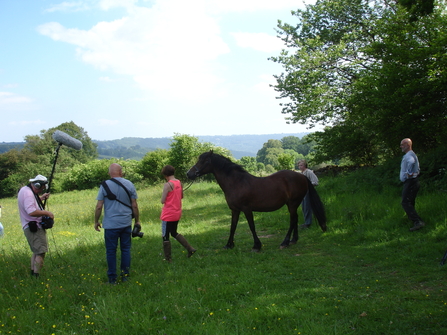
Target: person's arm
(136, 211)
(98, 212)
(166, 189)
(408, 164)
(38, 213)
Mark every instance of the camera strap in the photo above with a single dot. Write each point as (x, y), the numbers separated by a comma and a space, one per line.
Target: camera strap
(112, 196)
(39, 201)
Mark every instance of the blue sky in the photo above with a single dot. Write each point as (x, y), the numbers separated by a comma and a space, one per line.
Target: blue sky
(141, 68)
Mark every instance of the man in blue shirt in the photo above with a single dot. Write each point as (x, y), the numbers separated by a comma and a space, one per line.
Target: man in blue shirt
(409, 171)
(117, 221)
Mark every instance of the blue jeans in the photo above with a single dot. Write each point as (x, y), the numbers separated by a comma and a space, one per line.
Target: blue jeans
(111, 237)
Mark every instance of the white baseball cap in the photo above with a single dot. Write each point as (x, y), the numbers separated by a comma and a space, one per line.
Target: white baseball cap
(40, 178)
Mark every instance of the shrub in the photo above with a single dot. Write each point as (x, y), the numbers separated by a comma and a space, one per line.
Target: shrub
(90, 175)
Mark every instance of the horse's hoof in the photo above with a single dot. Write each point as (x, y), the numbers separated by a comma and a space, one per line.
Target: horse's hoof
(255, 250)
(292, 242)
(283, 247)
(229, 247)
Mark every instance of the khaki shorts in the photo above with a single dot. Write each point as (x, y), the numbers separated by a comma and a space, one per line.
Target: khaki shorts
(37, 241)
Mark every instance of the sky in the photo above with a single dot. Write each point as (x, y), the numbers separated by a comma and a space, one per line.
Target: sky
(142, 68)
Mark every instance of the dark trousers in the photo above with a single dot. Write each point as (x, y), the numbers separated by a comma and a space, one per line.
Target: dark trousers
(409, 193)
(169, 228)
(307, 210)
(112, 238)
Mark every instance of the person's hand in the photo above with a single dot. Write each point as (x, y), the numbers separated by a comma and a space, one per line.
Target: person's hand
(97, 226)
(45, 196)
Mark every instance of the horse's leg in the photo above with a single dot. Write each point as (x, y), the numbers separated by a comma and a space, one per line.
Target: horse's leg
(293, 227)
(251, 223)
(234, 220)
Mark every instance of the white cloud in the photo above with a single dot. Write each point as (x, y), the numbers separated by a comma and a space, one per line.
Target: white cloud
(68, 7)
(166, 49)
(107, 4)
(8, 98)
(259, 41)
(255, 5)
(170, 49)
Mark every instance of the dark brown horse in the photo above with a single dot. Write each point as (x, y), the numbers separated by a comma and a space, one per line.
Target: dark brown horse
(247, 193)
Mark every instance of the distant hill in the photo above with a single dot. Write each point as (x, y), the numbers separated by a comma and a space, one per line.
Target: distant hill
(6, 146)
(239, 145)
(137, 147)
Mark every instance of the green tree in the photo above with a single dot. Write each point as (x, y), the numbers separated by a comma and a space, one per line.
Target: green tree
(184, 150)
(152, 163)
(286, 161)
(418, 8)
(44, 144)
(269, 152)
(37, 157)
(291, 142)
(363, 68)
(249, 164)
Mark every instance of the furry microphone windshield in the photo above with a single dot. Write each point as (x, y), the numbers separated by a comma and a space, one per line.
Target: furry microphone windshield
(63, 138)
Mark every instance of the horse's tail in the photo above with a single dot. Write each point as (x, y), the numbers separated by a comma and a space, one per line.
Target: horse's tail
(317, 206)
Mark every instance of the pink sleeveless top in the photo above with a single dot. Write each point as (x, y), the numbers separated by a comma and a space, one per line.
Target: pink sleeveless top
(172, 208)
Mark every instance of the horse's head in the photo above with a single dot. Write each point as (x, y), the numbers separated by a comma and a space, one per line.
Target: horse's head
(202, 167)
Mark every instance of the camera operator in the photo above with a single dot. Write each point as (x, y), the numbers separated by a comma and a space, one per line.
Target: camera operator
(117, 220)
(31, 214)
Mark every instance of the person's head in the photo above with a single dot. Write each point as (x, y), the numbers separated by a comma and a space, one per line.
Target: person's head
(406, 145)
(302, 164)
(115, 170)
(39, 183)
(168, 171)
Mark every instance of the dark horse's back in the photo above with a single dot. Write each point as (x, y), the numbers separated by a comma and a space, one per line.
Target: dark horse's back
(267, 194)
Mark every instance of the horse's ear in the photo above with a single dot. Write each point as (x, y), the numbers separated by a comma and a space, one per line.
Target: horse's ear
(211, 151)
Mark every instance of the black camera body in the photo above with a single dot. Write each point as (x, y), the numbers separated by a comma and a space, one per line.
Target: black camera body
(136, 231)
(47, 222)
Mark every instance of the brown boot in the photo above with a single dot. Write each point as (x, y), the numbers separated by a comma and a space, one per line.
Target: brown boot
(167, 250)
(185, 244)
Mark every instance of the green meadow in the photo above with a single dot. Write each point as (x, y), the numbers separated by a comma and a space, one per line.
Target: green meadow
(366, 275)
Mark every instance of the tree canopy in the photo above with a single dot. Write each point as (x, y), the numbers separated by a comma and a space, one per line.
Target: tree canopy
(38, 154)
(368, 73)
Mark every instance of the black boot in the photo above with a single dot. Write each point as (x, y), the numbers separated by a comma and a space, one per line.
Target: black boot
(167, 250)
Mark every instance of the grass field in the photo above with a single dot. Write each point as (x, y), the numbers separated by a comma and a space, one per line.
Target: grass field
(366, 275)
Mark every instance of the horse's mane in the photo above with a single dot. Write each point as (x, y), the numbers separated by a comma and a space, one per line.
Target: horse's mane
(226, 165)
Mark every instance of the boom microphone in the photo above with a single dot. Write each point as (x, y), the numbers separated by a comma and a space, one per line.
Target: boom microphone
(63, 138)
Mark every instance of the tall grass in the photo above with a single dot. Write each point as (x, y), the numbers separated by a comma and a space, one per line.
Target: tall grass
(367, 275)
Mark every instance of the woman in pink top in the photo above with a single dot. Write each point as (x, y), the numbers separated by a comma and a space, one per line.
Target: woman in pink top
(171, 212)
